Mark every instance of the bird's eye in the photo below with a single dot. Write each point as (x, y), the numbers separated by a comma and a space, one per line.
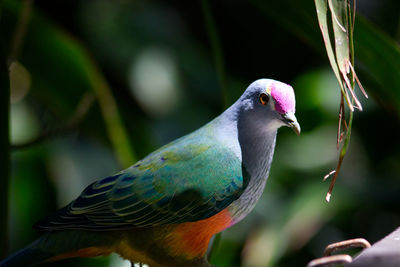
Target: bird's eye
(264, 98)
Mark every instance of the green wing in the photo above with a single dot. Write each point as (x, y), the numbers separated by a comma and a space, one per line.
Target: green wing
(190, 179)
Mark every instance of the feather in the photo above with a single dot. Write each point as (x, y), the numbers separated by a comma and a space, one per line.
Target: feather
(189, 180)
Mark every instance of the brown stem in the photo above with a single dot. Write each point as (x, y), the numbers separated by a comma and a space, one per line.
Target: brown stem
(332, 184)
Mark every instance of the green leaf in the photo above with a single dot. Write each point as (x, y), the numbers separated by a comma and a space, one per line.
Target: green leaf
(376, 53)
(322, 13)
(338, 10)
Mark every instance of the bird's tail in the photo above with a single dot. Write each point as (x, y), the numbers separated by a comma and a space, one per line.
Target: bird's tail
(31, 255)
(58, 245)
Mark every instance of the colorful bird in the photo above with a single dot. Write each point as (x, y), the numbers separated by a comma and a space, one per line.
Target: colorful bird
(164, 209)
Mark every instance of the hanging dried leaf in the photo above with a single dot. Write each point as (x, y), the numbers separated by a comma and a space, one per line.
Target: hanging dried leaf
(341, 57)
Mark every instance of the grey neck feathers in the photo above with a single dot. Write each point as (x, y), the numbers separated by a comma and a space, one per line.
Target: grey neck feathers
(249, 138)
(255, 143)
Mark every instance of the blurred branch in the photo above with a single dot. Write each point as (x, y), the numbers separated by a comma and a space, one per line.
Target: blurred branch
(92, 77)
(216, 49)
(5, 118)
(80, 112)
(4, 148)
(220, 68)
(398, 31)
(20, 30)
(116, 130)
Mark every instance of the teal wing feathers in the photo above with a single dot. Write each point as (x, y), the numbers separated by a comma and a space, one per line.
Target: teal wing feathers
(190, 179)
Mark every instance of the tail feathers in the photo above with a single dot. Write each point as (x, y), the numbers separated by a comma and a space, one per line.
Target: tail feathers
(28, 256)
(58, 245)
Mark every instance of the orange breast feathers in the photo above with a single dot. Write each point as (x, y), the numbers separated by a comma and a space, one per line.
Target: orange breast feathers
(191, 239)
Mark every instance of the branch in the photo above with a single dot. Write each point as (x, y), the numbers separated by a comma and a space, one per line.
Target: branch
(216, 48)
(80, 112)
(20, 31)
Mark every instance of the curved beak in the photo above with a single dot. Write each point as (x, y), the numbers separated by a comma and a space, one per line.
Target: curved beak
(290, 120)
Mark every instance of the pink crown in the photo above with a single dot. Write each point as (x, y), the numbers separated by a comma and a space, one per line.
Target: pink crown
(283, 95)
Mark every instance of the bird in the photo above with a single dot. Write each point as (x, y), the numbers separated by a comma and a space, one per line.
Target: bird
(165, 208)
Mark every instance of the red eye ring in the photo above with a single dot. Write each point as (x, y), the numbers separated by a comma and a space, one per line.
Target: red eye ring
(264, 99)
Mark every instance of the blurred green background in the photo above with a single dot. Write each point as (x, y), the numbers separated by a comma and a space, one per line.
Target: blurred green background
(150, 71)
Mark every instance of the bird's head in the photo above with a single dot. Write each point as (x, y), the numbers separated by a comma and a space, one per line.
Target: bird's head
(270, 104)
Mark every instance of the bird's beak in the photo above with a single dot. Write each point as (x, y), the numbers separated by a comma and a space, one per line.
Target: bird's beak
(290, 120)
